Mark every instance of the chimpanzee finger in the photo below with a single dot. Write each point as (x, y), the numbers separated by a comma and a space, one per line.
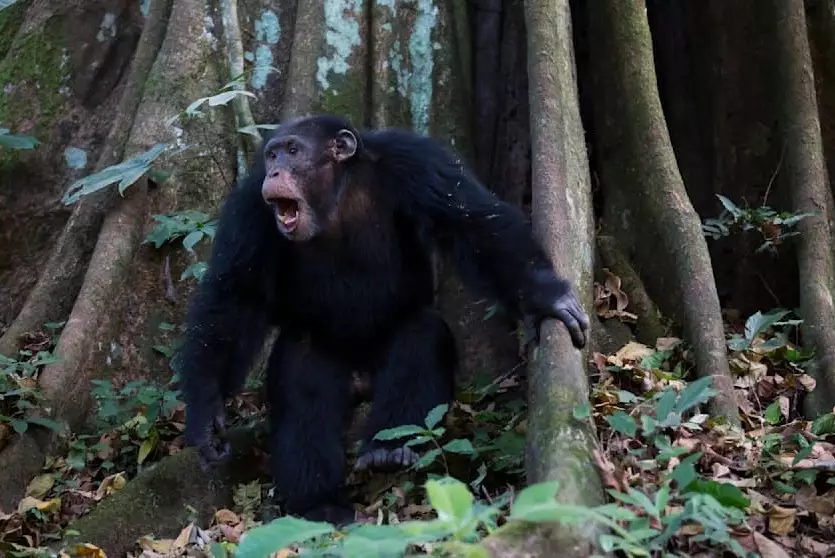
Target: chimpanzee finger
(578, 336)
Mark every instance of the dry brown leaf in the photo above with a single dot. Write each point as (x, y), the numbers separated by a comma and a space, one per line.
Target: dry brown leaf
(806, 381)
(781, 520)
(769, 548)
(226, 516)
(163, 546)
(187, 535)
(784, 405)
(667, 343)
(89, 550)
(631, 352)
(808, 499)
(111, 484)
(40, 485)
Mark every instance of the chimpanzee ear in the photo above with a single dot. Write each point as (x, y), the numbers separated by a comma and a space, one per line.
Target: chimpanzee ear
(346, 145)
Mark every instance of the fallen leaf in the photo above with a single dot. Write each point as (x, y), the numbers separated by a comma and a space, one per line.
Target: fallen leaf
(808, 499)
(111, 484)
(47, 506)
(632, 352)
(667, 343)
(162, 546)
(88, 549)
(40, 485)
(769, 548)
(226, 516)
(781, 520)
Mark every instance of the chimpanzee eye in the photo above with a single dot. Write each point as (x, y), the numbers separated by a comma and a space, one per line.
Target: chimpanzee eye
(292, 149)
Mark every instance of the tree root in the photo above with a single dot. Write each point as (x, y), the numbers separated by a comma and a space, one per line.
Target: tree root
(646, 202)
(560, 447)
(649, 327)
(60, 381)
(53, 295)
(805, 178)
(157, 501)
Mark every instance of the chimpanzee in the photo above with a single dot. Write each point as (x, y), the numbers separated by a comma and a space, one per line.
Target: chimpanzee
(330, 237)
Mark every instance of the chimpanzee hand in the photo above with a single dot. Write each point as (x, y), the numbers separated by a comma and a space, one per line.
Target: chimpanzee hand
(568, 310)
(554, 298)
(211, 449)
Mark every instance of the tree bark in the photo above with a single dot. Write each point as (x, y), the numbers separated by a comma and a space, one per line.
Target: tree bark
(804, 174)
(646, 202)
(560, 447)
(25, 455)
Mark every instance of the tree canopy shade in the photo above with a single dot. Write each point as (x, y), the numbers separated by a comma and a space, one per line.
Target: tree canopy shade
(674, 157)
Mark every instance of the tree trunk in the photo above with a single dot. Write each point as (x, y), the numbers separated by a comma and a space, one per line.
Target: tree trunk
(804, 175)
(646, 205)
(559, 447)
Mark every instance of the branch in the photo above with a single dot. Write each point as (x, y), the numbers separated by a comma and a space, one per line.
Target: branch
(235, 53)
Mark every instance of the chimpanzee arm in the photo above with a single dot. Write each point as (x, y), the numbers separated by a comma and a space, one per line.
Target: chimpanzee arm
(487, 234)
(227, 316)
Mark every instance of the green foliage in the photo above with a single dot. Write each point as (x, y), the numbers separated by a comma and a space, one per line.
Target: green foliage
(770, 224)
(125, 173)
(191, 226)
(19, 394)
(13, 141)
(7, 4)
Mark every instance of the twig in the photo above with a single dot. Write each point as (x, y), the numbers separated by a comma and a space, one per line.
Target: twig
(235, 54)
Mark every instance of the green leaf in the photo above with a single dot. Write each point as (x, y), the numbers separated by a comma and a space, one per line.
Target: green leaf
(685, 472)
(824, 424)
(622, 423)
(460, 445)
(435, 415)
(666, 404)
(724, 493)
(399, 432)
(427, 459)
(696, 393)
(773, 414)
(451, 498)
(13, 141)
(626, 397)
(536, 502)
(20, 426)
(267, 539)
(125, 173)
(582, 411)
(759, 322)
(191, 239)
(729, 205)
(46, 423)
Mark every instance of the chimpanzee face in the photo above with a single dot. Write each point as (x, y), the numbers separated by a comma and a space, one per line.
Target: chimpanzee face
(303, 168)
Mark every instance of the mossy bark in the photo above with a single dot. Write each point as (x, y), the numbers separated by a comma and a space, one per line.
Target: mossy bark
(159, 502)
(646, 205)
(804, 175)
(558, 446)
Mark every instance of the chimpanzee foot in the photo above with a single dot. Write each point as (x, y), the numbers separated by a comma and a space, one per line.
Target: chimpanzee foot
(386, 459)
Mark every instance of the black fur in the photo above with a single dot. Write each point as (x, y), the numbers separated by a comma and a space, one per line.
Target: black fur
(357, 299)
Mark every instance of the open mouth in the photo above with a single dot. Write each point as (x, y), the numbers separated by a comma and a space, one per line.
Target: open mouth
(287, 213)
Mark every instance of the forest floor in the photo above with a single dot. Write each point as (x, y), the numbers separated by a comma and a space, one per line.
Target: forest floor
(767, 488)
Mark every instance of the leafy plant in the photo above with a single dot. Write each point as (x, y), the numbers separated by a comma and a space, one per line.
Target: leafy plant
(430, 433)
(125, 173)
(191, 226)
(14, 141)
(770, 224)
